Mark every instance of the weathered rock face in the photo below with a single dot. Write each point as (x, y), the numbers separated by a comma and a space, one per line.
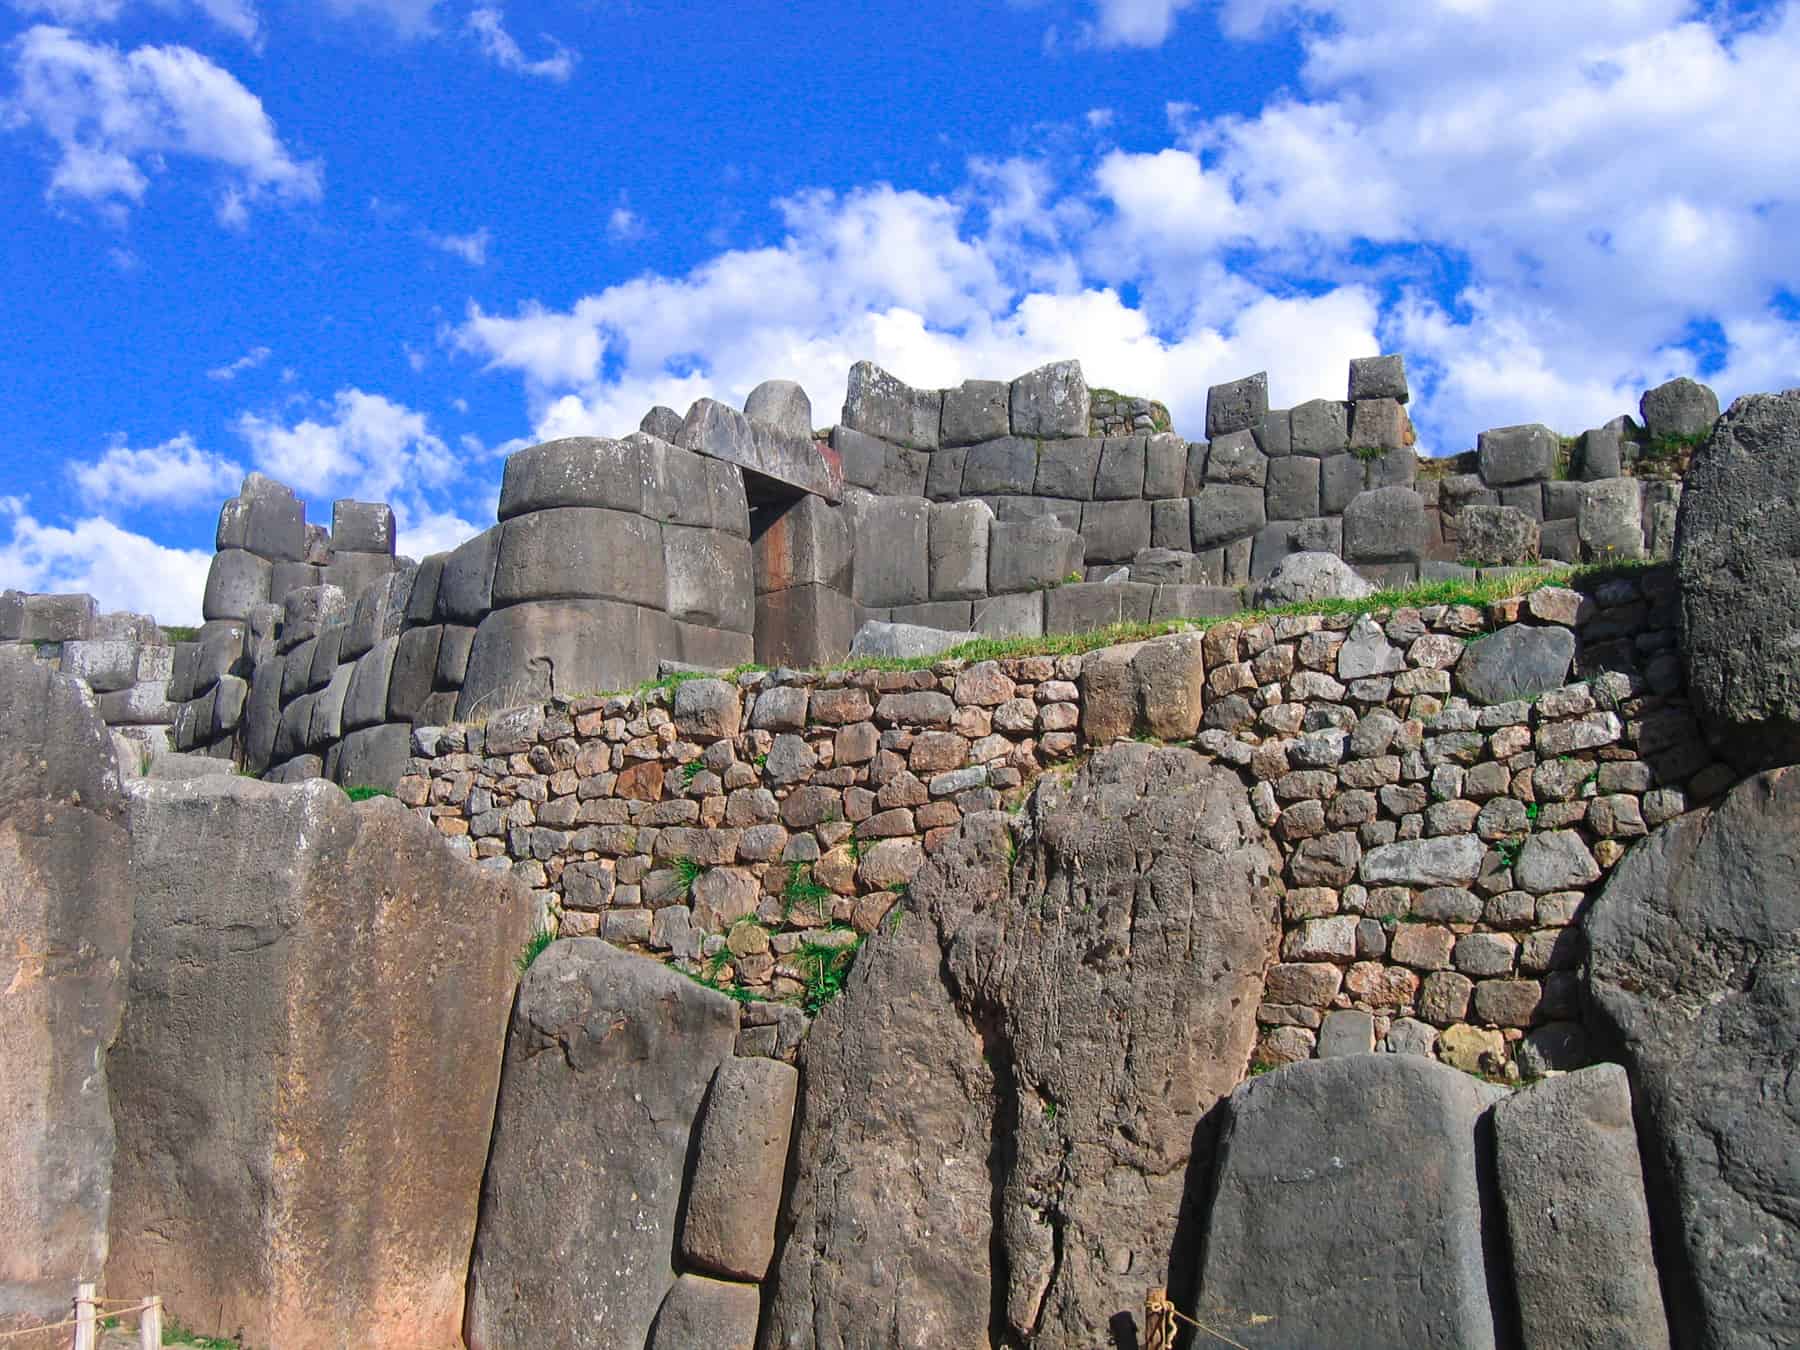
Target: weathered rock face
(304, 1083)
(1695, 969)
(1347, 1210)
(607, 1064)
(1309, 577)
(998, 1126)
(65, 932)
(1737, 560)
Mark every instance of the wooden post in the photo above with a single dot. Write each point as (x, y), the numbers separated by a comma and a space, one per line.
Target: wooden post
(1159, 1321)
(150, 1325)
(87, 1330)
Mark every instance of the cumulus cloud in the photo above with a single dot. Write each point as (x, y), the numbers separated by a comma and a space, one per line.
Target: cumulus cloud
(176, 473)
(471, 248)
(409, 18)
(487, 25)
(114, 118)
(120, 569)
(900, 278)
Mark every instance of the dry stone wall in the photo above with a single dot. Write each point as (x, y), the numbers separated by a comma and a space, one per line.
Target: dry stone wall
(1447, 786)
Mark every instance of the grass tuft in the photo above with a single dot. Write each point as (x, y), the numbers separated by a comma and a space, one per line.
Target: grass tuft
(362, 794)
(533, 946)
(825, 969)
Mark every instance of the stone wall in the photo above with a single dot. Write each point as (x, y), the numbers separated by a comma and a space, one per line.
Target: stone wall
(124, 659)
(1446, 787)
(720, 537)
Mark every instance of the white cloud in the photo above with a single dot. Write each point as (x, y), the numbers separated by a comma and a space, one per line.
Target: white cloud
(120, 569)
(624, 224)
(235, 16)
(114, 117)
(368, 446)
(471, 248)
(487, 24)
(1135, 23)
(176, 473)
(250, 360)
(896, 277)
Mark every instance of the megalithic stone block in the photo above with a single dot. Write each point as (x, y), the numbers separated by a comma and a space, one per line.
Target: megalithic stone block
(710, 578)
(528, 652)
(65, 936)
(714, 429)
(262, 714)
(362, 527)
(466, 584)
(364, 970)
(959, 550)
(891, 539)
(1378, 377)
(1238, 406)
(738, 1169)
(580, 553)
(976, 410)
(1031, 555)
(882, 405)
(804, 625)
(576, 471)
(807, 544)
(1296, 1253)
(1519, 454)
(1051, 401)
(783, 405)
(643, 1041)
(236, 581)
(684, 487)
(415, 667)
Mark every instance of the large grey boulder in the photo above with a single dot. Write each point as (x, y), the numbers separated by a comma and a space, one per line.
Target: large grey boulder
(783, 405)
(65, 935)
(708, 578)
(1571, 1182)
(1523, 454)
(1386, 525)
(1347, 1210)
(1519, 661)
(976, 410)
(265, 518)
(1302, 578)
(1241, 405)
(564, 648)
(1681, 408)
(575, 471)
(1610, 520)
(892, 549)
(904, 641)
(236, 581)
(580, 553)
(1051, 401)
(959, 550)
(883, 405)
(1378, 377)
(740, 1158)
(607, 1063)
(1223, 512)
(1737, 562)
(362, 527)
(304, 1082)
(1030, 555)
(1113, 972)
(1694, 975)
(1492, 536)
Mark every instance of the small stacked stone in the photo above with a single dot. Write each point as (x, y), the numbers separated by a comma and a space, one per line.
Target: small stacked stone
(1111, 414)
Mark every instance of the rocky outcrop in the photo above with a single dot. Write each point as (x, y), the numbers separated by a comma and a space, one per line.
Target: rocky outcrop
(607, 1064)
(304, 1083)
(65, 931)
(1737, 559)
(997, 1134)
(1695, 972)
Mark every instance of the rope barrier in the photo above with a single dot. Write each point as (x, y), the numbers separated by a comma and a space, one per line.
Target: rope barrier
(1160, 1316)
(120, 1308)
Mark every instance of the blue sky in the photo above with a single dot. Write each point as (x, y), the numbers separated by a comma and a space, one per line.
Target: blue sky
(369, 246)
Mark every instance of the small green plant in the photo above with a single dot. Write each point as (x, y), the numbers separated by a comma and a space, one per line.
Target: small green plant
(761, 761)
(1049, 1110)
(1508, 851)
(363, 794)
(690, 771)
(897, 915)
(1072, 578)
(178, 633)
(176, 1334)
(1531, 811)
(537, 942)
(800, 890)
(1368, 454)
(824, 968)
(687, 872)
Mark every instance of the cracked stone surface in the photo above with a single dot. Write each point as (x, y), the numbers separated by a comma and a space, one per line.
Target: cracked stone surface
(997, 1135)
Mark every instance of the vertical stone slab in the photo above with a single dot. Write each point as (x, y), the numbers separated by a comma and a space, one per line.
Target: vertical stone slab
(304, 1083)
(742, 1158)
(1572, 1184)
(1347, 1211)
(703, 1314)
(65, 933)
(607, 1064)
